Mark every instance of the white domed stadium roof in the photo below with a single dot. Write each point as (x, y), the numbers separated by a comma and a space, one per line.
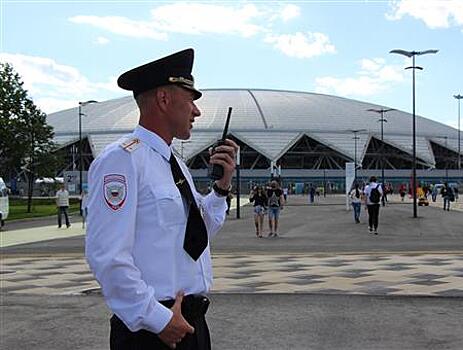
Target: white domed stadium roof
(270, 121)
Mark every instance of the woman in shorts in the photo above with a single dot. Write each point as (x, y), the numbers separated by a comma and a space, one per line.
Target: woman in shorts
(259, 200)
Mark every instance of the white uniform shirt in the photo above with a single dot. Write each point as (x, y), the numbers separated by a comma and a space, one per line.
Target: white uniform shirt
(136, 229)
(368, 189)
(62, 198)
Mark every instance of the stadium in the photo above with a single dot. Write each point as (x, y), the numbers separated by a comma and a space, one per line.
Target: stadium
(300, 136)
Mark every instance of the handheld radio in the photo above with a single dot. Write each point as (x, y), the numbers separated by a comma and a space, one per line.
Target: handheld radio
(215, 171)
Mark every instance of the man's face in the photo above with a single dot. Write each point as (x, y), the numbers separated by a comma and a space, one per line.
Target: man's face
(183, 112)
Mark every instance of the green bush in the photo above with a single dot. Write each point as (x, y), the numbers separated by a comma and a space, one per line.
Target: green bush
(40, 207)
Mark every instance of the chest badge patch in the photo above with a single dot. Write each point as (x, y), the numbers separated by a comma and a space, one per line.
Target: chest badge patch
(115, 190)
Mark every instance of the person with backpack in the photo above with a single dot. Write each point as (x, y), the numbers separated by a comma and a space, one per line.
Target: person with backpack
(373, 194)
(447, 195)
(275, 204)
(356, 201)
(259, 200)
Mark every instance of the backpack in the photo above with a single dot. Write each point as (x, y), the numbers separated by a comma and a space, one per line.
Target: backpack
(451, 195)
(273, 200)
(375, 196)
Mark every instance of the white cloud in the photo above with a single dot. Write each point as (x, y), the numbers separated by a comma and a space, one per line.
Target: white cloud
(55, 86)
(122, 26)
(101, 40)
(290, 12)
(434, 13)
(186, 18)
(190, 18)
(374, 77)
(247, 20)
(301, 45)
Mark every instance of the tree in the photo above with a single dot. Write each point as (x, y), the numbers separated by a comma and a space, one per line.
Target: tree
(26, 141)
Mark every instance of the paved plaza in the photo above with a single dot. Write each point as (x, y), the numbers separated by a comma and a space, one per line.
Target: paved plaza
(325, 283)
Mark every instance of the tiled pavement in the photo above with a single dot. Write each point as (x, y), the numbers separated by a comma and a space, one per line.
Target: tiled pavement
(429, 274)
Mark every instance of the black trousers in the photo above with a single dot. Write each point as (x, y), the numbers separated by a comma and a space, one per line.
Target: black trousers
(373, 214)
(63, 210)
(194, 309)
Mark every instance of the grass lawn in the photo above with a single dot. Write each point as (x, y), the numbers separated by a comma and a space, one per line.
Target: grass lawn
(40, 207)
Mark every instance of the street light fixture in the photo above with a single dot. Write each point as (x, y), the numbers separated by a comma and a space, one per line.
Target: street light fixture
(412, 54)
(81, 104)
(459, 97)
(383, 120)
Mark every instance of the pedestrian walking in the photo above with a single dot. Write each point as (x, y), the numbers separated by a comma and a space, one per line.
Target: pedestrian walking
(356, 202)
(373, 193)
(62, 204)
(384, 196)
(402, 191)
(228, 200)
(259, 200)
(311, 194)
(275, 205)
(83, 207)
(447, 196)
(149, 228)
(285, 193)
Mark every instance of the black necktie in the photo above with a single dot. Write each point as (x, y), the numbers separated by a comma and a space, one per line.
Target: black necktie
(195, 234)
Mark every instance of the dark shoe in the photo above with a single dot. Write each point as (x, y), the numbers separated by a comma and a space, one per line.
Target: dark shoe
(270, 234)
(370, 230)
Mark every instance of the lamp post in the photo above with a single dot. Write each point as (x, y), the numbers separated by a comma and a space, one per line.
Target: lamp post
(238, 182)
(81, 104)
(459, 97)
(447, 160)
(181, 148)
(383, 120)
(412, 54)
(355, 138)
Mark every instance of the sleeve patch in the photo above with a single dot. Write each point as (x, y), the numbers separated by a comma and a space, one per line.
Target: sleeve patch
(115, 190)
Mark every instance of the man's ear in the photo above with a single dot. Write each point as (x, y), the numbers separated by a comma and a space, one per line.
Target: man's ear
(163, 98)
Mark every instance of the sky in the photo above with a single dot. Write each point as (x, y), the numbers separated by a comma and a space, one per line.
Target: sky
(71, 51)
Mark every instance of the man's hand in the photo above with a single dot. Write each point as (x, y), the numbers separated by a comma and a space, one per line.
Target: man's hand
(177, 327)
(225, 156)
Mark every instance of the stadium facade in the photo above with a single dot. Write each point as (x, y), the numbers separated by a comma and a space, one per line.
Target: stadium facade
(309, 136)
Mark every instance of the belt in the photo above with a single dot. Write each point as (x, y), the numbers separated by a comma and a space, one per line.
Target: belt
(193, 306)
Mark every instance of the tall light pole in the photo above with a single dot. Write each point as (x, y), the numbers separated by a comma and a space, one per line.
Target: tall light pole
(355, 138)
(382, 120)
(181, 148)
(81, 104)
(238, 183)
(447, 160)
(459, 97)
(412, 54)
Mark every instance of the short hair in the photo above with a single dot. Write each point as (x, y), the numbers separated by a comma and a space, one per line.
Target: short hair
(373, 179)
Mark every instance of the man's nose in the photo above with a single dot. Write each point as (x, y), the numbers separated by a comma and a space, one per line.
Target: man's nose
(196, 111)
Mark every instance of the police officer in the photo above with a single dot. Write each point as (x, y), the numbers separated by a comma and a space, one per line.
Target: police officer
(148, 228)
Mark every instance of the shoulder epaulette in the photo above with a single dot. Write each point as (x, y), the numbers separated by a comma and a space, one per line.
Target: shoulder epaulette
(130, 144)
